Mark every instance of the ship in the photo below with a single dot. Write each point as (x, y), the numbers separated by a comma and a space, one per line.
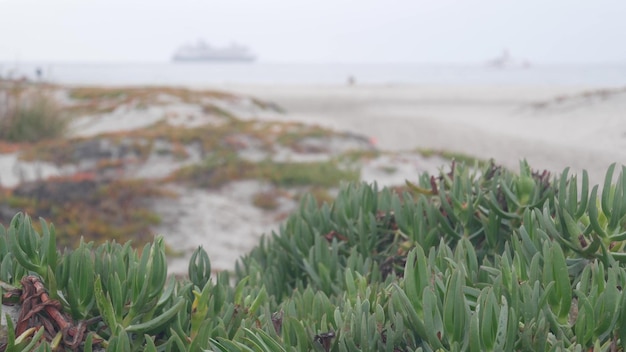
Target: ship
(505, 60)
(202, 51)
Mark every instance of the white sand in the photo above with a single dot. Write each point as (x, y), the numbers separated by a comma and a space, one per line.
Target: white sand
(224, 222)
(483, 121)
(14, 171)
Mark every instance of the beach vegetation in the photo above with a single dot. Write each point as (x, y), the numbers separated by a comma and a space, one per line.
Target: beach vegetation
(294, 134)
(353, 156)
(293, 174)
(322, 195)
(98, 100)
(483, 260)
(215, 110)
(452, 155)
(144, 94)
(87, 207)
(91, 93)
(267, 200)
(29, 114)
(268, 105)
(223, 133)
(220, 169)
(209, 155)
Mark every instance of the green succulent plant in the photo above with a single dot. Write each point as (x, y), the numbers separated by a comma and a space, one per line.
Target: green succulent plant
(474, 259)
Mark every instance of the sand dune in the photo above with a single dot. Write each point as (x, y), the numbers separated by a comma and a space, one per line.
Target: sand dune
(552, 127)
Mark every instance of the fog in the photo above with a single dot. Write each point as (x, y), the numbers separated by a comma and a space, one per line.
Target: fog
(315, 31)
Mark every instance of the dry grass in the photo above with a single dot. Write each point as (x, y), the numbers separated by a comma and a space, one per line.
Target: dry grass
(91, 209)
(449, 155)
(267, 200)
(29, 114)
(227, 167)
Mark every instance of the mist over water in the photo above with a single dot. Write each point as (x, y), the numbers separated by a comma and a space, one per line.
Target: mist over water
(260, 73)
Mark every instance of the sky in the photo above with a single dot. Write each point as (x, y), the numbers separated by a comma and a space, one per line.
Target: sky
(435, 31)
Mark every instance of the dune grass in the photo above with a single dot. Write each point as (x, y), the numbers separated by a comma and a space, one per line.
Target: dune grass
(29, 114)
(220, 169)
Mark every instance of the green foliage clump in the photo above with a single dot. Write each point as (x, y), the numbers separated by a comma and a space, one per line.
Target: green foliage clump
(85, 207)
(29, 115)
(220, 169)
(471, 260)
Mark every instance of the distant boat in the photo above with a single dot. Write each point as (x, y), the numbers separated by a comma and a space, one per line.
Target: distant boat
(202, 51)
(505, 60)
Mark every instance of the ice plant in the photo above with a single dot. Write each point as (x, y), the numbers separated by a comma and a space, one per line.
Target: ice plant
(468, 260)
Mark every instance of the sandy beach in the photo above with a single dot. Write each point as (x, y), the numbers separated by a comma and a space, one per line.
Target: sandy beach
(553, 127)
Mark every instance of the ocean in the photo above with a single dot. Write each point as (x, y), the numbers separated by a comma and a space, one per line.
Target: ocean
(261, 73)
